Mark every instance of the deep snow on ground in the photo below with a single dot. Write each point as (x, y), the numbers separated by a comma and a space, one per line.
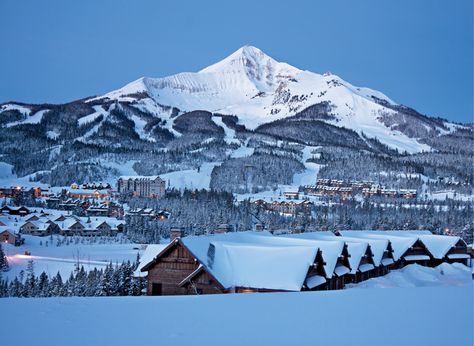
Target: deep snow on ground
(390, 317)
(64, 258)
(415, 275)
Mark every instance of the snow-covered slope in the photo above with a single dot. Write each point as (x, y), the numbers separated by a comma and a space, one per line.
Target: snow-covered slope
(258, 89)
(389, 317)
(245, 105)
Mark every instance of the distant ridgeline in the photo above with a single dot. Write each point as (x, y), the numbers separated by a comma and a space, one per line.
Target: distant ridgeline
(261, 120)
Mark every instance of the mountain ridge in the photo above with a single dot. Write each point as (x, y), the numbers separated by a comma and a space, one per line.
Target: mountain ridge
(229, 110)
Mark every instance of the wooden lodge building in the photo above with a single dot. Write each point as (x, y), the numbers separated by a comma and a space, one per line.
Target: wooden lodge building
(240, 262)
(71, 225)
(9, 237)
(20, 211)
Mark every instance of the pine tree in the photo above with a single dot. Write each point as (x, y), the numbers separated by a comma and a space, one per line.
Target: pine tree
(30, 286)
(16, 288)
(56, 286)
(43, 285)
(3, 261)
(106, 281)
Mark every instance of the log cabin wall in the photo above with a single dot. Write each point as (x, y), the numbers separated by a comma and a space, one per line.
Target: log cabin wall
(203, 283)
(417, 249)
(169, 270)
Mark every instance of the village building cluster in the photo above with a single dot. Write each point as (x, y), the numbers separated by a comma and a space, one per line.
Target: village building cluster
(88, 207)
(240, 262)
(98, 191)
(17, 221)
(344, 189)
(15, 191)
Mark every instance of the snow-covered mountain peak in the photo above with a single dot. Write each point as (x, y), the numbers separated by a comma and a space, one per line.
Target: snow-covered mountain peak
(258, 90)
(248, 57)
(262, 70)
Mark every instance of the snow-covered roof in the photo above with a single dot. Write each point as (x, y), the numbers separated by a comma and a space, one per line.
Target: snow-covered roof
(6, 229)
(314, 281)
(42, 225)
(68, 223)
(356, 251)
(151, 251)
(437, 245)
(261, 266)
(377, 246)
(416, 258)
(330, 249)
(93, 222)
(341, 270)
(366, 267)
(387, 261)
(87, 191)
(13, 222)
(254, 259)
(356, 247)
(459, 256)
(400, 244)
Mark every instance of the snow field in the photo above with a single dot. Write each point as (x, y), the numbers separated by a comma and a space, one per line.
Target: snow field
(390, 317)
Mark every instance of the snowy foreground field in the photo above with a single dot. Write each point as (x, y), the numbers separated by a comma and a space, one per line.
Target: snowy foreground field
(397, 316)
(424, 306)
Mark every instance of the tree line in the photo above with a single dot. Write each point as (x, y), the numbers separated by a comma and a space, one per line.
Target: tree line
(114, 280)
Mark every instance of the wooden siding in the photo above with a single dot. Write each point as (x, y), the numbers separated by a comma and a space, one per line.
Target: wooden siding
(203, 283)
(170, 269)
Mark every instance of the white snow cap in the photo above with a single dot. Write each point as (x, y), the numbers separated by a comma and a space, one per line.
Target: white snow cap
(259, 89)
(437, 245)
(262, 70)
(254, 259)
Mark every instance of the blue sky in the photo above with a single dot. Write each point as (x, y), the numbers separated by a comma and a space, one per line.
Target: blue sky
(419, 53)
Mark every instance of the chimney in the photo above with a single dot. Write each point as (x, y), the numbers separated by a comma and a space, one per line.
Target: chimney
(175, 232)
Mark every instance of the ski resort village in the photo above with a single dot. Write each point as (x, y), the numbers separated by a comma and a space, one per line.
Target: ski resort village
(127, 239)
(198, 173)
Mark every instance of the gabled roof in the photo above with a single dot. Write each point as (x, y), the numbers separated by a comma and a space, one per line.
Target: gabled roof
(68, 223)
(251, 259)
(331, 250)
(157, 255)
(355, 247)
(98, 220)
(151, 251)
(41, 225)
(12, 221)
(377, 246)
(4, 229)
(437, 245)
(400, 244)
(356, 251)
(261, 266)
